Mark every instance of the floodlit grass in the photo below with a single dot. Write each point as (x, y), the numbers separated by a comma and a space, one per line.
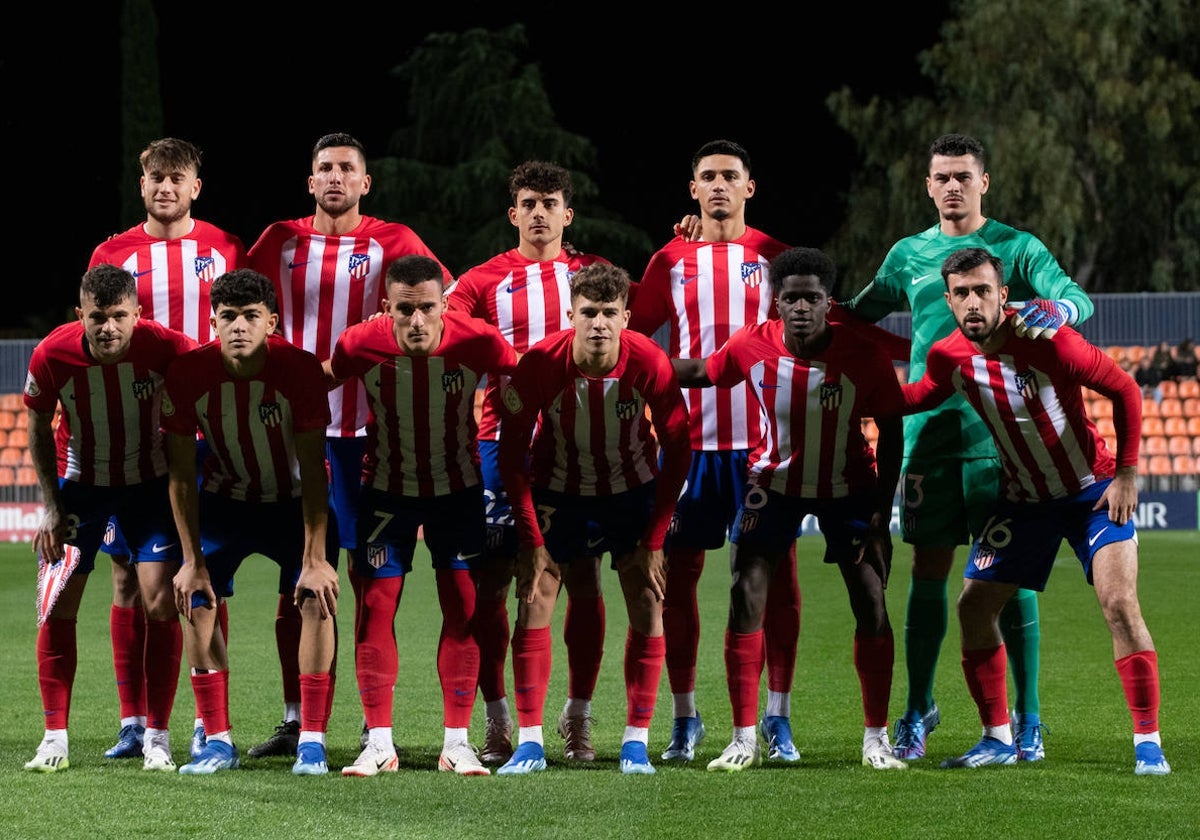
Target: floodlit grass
(1085, 788)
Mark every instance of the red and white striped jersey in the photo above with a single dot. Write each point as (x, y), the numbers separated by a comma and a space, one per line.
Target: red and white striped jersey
(525, 299)
(110, 431)
(328, 283)
(250, 424)
(1029, 393)
(595, 436)
(174, 275)
(706, 291)
(421, 433)
(813, 408)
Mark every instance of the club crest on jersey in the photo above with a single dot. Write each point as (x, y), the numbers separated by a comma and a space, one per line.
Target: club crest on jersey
(31, 387)
(628, 409)
(512, 400)
(984, 557)
(752, 273)
(206, 269)
(143, 389)
(110, 533)
(831, 395)
(359, 266)
(377, 554)
(271, 414)
(453, 381)
(1027, 384)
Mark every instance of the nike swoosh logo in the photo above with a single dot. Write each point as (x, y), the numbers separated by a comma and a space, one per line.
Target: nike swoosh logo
(917, 280)
(762, 384)
(683, 281)
(856, 541)
(466, 557)
(513, 287)
(159, 549)
(591, 543)
(1092, 539)
(298, 264)
(143, 273)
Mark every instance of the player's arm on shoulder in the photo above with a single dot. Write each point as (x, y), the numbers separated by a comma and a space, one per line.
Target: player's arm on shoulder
(691, 373)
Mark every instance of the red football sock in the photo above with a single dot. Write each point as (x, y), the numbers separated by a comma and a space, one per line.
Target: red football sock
(376, 662)
(316, 701)
(643, 670)
(743, 673)
(1139, 678)
(781, 624)
(164, 649)
(127, 629)
(212, 699)
(583, 633)
(874, 657)
(492, 636)
(531, 673)
(457, 652)
(57, 655)
(287, 642)
(681, 618)
(986, 670)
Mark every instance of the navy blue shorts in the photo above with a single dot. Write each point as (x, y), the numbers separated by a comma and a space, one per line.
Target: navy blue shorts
(1020, 541)
(388, 526)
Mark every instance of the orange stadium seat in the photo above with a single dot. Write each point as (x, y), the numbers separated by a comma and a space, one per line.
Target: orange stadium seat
(1183, 465)
(1152, 427)
(10, 456)
(19, 438)
(8, 477)
(1193, 425)
(1151, 407)
(26, 477)
(12, 402)
(1189, 388)
(1170, 407)
(1179, 445)
(23, 420)
(1167, 389)
(3, 438)
(8, 419)
(1104, 425)
(1115, 352)
(1134, 353)
(1191, 407)
(1154, 445)
(1160, 465)
(1099, 407)
(1196, 446)
(1174, 426)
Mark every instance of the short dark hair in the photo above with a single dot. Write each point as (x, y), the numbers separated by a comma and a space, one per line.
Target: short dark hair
(601, 282)
(170, 154)
(413, 270)
(957, 145)
(541, 177)
(339, 138)
(722, 147)
(108, 285)
(965, 259)
(801, 261)
(243, 287)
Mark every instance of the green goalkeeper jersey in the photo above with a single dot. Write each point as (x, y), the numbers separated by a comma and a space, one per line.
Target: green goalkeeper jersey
(912, 274)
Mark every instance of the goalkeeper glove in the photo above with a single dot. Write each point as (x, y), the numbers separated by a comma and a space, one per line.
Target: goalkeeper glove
(1041, 318)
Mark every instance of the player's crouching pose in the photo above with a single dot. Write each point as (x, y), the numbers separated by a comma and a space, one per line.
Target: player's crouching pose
(1060, 482)
(261, 404)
